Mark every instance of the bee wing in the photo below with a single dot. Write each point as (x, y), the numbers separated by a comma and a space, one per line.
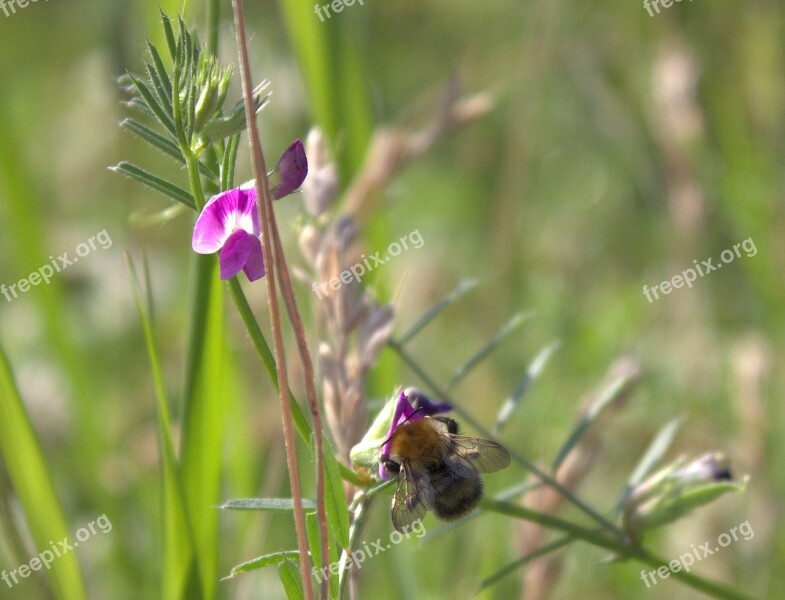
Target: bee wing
(413, 497)
(470, 455)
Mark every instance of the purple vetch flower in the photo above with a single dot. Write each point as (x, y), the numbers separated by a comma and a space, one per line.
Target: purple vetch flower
(406, 413)
(230, 223)
(290, 171)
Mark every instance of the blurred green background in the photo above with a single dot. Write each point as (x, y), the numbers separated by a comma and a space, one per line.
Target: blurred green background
(621, 147)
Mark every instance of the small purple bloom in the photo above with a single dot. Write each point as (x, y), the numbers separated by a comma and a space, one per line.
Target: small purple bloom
(291, 169)
(406, 413)
(230, 223)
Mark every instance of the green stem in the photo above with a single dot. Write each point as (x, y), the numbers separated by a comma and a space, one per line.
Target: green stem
(621, 548)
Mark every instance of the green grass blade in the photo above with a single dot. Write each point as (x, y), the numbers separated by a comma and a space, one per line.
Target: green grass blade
(654, 453)
(519, 562)
(290, 577)
(204, 413)
(532, 372)
(266, 504)
(315, 546)
(160, 185)
(24, 460)
(510, 327)
(262, 561)
(463, 288)
(177, 542)
(330, 61)
(335, 499)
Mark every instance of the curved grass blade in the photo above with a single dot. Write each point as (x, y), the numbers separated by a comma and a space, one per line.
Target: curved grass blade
(265, 504)
(519, 562)
(262, 561)
(506, 331)
(160, 185)
(654, 453)
(32, 483)
(532, 372)
(463, 288)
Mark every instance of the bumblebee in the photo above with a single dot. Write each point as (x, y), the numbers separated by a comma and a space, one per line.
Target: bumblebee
(438, 469)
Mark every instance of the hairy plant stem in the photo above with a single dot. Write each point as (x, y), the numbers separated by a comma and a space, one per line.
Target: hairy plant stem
(272, 258)
(622, 548)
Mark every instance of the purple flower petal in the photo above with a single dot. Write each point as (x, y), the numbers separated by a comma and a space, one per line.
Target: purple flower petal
(403, 413)
(254, 266)
(236, 252)
(292, 168)
(226, 212)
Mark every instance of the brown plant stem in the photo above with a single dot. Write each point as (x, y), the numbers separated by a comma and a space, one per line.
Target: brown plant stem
(264, 201)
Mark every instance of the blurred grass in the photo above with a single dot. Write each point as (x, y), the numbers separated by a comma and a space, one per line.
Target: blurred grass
(557, 202)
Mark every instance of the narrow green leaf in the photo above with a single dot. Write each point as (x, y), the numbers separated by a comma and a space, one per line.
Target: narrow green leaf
(265, 504)
(262, 561)
(335, 499)
(154, 105)
(160, 185)
(170, 42)
(654, 453)
(32, 483)
(160, 90)
(533, 372)
(290, 577)
(143, 218)
(620, 385)
(463, 288)
(153, 138)
(510, 327)
(160, 69)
